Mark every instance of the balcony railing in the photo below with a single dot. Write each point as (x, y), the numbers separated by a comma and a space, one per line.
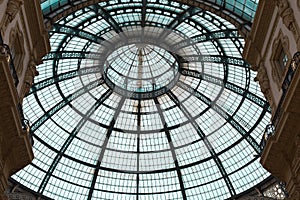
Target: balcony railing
(5, 51)
(270, 129)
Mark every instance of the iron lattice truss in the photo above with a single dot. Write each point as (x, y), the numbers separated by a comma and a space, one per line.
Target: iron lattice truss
(144, 100)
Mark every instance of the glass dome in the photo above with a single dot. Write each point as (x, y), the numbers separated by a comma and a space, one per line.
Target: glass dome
(140, 68)
(144, 100)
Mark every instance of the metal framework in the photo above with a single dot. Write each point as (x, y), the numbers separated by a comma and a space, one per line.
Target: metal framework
(64, 76)
(168, 135)
(190, 58)
(65, 102)
(178, 20)
(104, 146)
(139, 124)
(206, 142)
(70, 139)
(215, 35)
(144, 2)
(241, 18)
(230, 86)
(100, 11)
(59, 28)
(221, 112)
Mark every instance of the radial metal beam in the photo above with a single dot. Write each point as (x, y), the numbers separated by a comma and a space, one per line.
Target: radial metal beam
(59, 28)
(153, 78)
(183, 16)
(101, 155)
(230, 86)
(139, 124)
(69, 140)
(215, 35)
(65, 102)
(144, 7)
(223, 114)
(107, 16)
(172, 148)
(186, 14)
(206, 142)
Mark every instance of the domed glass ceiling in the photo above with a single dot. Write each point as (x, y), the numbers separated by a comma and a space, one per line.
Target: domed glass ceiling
(144, 100)
(140, 67)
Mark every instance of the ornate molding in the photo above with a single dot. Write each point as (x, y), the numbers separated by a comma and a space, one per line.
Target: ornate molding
(297, 144)
(12, 9)
(275, 71)
(16, 39)
(3, 180)
(1, 154)
(31, 72)
(264, 82)
(289, 20)
(4, 51)
(279, 44)
(288, 17)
